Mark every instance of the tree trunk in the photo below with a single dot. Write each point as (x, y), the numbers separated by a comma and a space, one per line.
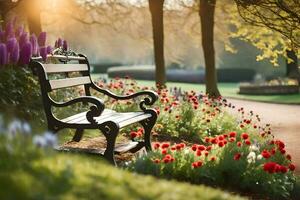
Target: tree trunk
(207, 12)
(33, 11)
(292, 70)
(156, 10)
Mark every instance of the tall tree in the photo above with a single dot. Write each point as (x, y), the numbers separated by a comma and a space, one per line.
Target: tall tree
(207, 13)
(156, 10)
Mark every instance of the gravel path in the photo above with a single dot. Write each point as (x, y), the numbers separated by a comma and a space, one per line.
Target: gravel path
(284, 120)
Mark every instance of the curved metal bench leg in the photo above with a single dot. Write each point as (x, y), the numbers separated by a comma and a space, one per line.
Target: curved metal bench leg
(110, 131)
(148, 125)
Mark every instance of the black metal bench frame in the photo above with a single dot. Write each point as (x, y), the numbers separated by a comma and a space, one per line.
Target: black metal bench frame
(109, 128)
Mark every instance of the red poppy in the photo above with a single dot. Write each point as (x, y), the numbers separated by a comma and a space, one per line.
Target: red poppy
(237, 156)
(244, 136)
(265, 154)
(201, 147)
(289, 157)
(194, 147)
(213, 158)
(221, 144)
(165, 145)
(156, 145)
(292, 167)
(247, 142)
(239, 144)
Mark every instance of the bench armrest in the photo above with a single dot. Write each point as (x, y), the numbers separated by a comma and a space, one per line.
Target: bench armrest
(150, 96)
(95, 110)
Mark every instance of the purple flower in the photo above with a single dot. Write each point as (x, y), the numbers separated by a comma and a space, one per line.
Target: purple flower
(23, 39)
(59, 42)
(43, 53)
(25, 53)
(42, 39)
(3, 54)
(65, 45)
(15, 54)
(10, 44)
(49, 49)
(34, 44)
(19, 31)
(9, 30)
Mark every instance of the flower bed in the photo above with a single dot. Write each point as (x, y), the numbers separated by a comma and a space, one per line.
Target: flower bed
(206, 144)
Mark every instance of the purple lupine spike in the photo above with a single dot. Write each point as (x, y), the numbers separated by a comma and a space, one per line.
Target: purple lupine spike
(49, 49)
(34, 44)
(23, 39)
(19, 31)
(56, 44)
(25, 53)
(42, 39)
(9, 30)
(15, 54)
(10, 44)
(59, 42)
(43, 53)
(3, 54)
(65, 45)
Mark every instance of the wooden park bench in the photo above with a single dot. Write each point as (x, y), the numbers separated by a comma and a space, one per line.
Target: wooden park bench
(109, 122)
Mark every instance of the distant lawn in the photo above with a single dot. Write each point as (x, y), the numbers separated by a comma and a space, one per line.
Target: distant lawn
(227, 90)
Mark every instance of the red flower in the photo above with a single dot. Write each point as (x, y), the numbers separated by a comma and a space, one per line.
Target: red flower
(156, 161)
(165, 145)
(289, 157)
(156, 145)
(244, 136)
(265, 154)
(201, 147)
(207, 139)
(213, 158)
(270, 167)
(164, 151)
(198, 153)
(283, 169)
(208, 148)
(221, 144)
(214, 140)
(206, 153)
(133, 134)
(199, 164)
(237, 156)
(273, 151)
(248, 142)
(232, 139)
(194, 147)
(232, 134)
(239, 144)
(221, 137)
(292, 167)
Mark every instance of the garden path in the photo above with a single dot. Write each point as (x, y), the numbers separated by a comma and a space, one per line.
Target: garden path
(284, 120)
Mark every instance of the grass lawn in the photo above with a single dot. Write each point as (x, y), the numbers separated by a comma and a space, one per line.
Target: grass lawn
(228, 90)
(68, 176)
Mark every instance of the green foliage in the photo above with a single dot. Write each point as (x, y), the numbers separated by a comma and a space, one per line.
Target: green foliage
(31, 172)
(20, 94)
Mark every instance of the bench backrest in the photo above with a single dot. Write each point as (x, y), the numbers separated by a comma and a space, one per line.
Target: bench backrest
(63, 66)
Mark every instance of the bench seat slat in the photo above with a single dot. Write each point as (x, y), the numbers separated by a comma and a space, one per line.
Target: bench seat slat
(123, 119)
(58, 68)
(69, 82)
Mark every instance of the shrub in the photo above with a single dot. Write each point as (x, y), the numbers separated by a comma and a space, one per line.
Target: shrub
(31, 170)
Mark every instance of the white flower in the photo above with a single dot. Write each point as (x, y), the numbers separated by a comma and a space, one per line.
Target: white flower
(259, 157)
(251, 157)
(254, 147)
